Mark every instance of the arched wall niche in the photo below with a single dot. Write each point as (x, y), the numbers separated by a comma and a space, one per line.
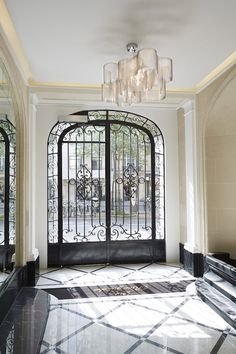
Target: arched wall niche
(20, 105)
(220, 166)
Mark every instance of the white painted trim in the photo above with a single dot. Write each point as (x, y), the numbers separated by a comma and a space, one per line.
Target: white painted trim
(191, 248)
(194, 237)
(64, 96)
(34, 255)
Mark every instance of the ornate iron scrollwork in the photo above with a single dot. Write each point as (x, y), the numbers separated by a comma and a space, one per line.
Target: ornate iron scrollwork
(83, 182)
(130, 180)
(8, 182)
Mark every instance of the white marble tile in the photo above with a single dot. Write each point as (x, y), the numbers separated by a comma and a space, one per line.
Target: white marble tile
(163, 305)
(197, 311)
(160, 269)
(185, 337)
(132, 266)
(86, 268)
(3, 276)
(44, 282)
(64, 275)
(92, 309)
(47, 271)
(181, 275)
(62, 323)
(90, 279)
(134, 319)
(42, 348)
(144, 277)
(51, 350)
(228, 346)
(98, 339)
(113, 272)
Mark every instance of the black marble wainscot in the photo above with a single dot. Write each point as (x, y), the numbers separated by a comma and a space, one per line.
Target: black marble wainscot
(22, 330)
(193, 262)
(32, 272)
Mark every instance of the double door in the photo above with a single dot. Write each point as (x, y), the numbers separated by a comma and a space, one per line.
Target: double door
(106, 203)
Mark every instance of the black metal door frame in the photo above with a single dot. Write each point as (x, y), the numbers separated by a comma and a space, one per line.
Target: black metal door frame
(6, 248)
(62, 253)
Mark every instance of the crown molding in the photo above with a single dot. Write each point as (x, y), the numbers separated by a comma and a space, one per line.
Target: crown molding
(55, 85)
(88, 96)
(216, 73)
(13, 43)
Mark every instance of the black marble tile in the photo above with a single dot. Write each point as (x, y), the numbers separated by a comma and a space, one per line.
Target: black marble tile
(10, 288)
(22, 329)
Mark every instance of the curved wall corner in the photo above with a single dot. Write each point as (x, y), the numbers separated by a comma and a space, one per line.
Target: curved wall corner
(20, 92)
(220, 167)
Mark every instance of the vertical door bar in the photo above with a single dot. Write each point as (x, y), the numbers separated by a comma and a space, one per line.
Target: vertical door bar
(6, 192)
(153, 195)
(60, 198)
(108, 188)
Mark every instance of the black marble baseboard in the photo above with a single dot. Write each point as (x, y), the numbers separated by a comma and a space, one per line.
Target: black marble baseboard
(33, 272)
(23, 328)
(193, 262)
(181, 253)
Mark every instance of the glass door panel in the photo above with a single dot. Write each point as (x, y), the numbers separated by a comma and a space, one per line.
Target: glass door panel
(83, 185)
(130, 183)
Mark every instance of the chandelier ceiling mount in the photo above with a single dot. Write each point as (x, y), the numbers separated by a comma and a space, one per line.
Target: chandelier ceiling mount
(132, 47)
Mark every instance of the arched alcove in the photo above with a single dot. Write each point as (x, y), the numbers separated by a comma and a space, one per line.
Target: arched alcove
(19, 112)
(220, 161)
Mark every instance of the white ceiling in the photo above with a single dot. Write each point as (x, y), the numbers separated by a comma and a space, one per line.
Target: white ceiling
(68, 41)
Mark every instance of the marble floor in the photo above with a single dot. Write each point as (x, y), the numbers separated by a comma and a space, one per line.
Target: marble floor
(157, 323)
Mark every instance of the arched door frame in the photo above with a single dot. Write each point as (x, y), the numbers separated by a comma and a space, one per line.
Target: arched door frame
(134, 250)
(7, 246)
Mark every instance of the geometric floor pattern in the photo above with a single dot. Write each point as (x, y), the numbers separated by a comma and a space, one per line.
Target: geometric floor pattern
(148, 324)
(73, 276)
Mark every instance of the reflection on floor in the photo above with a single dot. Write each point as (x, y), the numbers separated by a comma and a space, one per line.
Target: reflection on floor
(158, 323)
(3, 276)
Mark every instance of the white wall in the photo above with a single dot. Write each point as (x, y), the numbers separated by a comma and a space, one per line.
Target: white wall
(47, 116)
(167, 122)
(220, 154)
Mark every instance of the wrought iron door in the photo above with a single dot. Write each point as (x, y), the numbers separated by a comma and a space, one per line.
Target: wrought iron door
(7, 192)
(106, 190)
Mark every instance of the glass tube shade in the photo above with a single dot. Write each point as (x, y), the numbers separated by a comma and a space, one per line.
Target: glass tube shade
(131, 80)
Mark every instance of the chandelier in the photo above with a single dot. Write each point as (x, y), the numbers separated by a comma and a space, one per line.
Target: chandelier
(140, 78)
